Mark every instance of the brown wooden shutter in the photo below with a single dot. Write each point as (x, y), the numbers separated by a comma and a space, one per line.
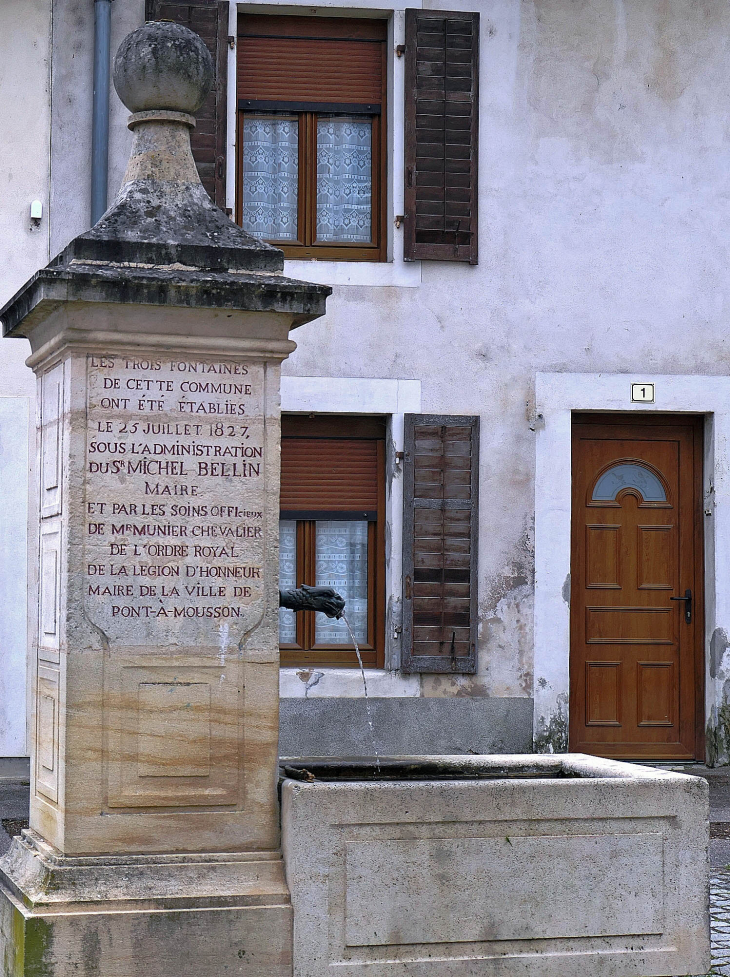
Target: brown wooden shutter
(208, 138)
(321, 475)
(331, 465)
(441, 135)
(305, 61)
(440, 533)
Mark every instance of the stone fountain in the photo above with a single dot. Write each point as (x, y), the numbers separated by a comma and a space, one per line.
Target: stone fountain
(154, 840)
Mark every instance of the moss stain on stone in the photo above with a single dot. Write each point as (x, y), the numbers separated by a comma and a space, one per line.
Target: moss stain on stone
(38, 948)
(551, 735)
(13, 940)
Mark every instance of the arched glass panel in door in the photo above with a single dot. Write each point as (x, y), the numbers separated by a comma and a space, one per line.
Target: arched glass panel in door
(628, 475)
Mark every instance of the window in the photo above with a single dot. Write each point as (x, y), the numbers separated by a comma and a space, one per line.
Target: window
(332, 535)
(629, 475)
(311, 134)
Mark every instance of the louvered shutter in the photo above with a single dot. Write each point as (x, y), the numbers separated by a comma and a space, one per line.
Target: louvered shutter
(441, 135)
(440, 533)
(208, 138)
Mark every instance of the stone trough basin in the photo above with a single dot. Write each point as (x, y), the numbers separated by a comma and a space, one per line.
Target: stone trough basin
(537, 866)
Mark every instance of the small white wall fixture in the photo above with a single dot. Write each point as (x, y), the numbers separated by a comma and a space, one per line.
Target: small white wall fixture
(557, 396)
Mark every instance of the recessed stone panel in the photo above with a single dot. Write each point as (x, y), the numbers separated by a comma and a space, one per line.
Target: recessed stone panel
(174, 731)
(46, 758)
(173, 738)
(49, 590)
(51, 430)
(390, 888)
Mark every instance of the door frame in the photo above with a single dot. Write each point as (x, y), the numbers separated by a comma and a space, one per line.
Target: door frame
(656, 421)
(557, 397)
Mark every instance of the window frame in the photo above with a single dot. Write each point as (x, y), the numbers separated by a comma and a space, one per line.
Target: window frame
(305, 652)
(307, 247)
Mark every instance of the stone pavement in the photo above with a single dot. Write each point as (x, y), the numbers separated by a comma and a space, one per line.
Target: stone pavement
(720, 921)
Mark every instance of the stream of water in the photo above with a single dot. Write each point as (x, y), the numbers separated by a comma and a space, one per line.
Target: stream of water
(367, 700)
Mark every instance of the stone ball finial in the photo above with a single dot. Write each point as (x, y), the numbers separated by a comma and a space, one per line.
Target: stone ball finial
(163, 66)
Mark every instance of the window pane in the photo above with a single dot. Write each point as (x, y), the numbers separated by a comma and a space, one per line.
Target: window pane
(270, 177)
(344, 180)
(629, 476)
(287, 578)
(342, 563)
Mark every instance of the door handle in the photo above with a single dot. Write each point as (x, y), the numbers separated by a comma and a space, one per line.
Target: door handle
(687, 605)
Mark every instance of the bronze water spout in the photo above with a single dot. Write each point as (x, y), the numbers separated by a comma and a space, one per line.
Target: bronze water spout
(305, 598)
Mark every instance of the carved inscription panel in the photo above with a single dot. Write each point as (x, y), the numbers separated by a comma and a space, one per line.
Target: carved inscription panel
(174, 498)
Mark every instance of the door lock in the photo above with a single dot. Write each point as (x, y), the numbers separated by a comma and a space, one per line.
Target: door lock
(687, 605)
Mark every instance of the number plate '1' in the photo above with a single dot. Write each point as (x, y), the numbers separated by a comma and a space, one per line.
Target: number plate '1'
(642, 393)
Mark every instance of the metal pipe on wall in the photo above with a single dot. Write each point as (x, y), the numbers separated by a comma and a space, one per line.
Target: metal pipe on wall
(100, 110)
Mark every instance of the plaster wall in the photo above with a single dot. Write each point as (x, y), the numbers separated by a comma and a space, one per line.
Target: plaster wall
(72, 90)
(604, 153)
(25, 102)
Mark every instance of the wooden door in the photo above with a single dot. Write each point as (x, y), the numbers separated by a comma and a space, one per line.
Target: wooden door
(636, 675)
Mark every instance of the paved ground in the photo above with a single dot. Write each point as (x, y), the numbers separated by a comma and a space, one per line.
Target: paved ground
(720, 921)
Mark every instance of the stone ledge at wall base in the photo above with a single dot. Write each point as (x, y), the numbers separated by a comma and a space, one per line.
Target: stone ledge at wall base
(192, 916)
(517, 866)
(333, 725)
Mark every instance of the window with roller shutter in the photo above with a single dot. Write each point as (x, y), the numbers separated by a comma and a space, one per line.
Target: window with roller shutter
(440, 533)
(312, 135)
(441, 135)
(332, 533)
(208, 138)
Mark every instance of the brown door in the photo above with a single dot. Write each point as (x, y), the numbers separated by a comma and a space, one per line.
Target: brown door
(636, 676)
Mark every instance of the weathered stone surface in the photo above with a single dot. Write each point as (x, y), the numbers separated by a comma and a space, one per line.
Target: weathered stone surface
(157, 653)
(337, 726)
(163, 66)
(592, 868)
(153, 915)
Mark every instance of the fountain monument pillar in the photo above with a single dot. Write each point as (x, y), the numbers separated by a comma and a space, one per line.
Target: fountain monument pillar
(157, 338)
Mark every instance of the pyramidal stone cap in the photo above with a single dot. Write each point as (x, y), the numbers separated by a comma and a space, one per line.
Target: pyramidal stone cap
(163, 241)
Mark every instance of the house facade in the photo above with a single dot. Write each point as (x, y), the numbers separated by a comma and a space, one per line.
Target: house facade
(506, 443)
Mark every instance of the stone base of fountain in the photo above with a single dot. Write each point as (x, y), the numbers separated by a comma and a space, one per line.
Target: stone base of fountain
(205, 915)
(537, 866)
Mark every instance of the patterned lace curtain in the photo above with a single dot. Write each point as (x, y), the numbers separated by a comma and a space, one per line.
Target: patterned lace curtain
(342, 563)
(344, 180)
(270, 177)
(287, 578)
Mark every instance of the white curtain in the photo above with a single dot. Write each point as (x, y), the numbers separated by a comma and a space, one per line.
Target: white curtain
(342, 563)
(270, 177)
(344, 180)
(287, 578)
